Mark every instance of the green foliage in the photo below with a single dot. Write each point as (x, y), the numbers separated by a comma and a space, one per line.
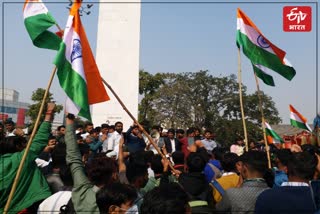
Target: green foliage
(37, 97)
(201, 100)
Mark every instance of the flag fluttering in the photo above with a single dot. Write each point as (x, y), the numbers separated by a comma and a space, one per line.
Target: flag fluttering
(265, 56)
(77, 70)
(297, 120)
(37, 21)
(272, 136)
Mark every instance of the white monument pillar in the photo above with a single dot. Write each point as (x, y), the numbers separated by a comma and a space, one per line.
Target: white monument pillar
(117, 56)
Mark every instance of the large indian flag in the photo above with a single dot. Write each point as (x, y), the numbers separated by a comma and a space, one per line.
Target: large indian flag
(272, 136)
(37, 20)
(297, 120)
(265, 56)
(77, 70)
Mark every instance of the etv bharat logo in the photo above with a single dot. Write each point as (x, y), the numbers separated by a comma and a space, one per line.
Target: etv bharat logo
(297, 18)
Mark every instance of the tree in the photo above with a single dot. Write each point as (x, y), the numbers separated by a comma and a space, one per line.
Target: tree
(205, 101)
(37, 97)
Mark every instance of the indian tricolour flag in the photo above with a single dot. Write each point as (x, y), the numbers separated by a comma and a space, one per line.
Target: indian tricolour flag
(77, 70)
(265, 56)
(37, 20)
(297, 120)
(272, 136)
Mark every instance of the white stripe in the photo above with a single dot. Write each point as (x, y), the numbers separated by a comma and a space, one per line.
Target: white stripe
(267, 126)
(253, 35)
(295, 117)
(34, 8)
(69, 37)
(71, 107)
(264, 69)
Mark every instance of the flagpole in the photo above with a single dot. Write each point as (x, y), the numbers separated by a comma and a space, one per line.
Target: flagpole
(16, 180)
(263, 121)
(241, 103)
(135, 121)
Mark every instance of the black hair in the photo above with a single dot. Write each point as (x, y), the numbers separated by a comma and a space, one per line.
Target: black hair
(100, 170)
(66, 176)
(178, 157)
(52, 137)
(156, 164)
(60, 127)
(118, 122)
(165, 199)
(58, 155)
(172, 131)
(9, 122)
(190, 130)
(255, 161)
(111, 127)
(11, 144)
(148, 156)
(114, 194)
(302, 165)
(195, 162)
(104, 125)
(208, 131)
(180, 131)
(136, 170)
(284, 156)
(229, 161)
(218, 153)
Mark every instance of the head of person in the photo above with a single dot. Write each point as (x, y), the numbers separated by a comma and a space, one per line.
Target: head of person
(254, 164)
(79, 129)
(118, 126)
(229, 161)
(1, 128)
(282, 159)
(208, 134)
(94, 134)
(166, 199)
(102, 170)
(12, 144)
(88, 126)
(116, 198)
(58, 155)
(61, 130)
(196, 162)
(171, 133)
(135, 130)
(197, 132)
(137, 174)
(302, 166)
(104, 128)
(156, 164)
(217, 153)
(111, 129)
(52, 141)
(180, 133)
(178, 157)
(190, 132)
(9, 125)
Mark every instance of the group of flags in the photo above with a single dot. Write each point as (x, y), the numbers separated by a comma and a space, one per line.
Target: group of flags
(80, 78)
(78, 73)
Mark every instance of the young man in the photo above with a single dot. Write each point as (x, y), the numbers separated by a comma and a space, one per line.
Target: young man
(172, 144)
(208, 143)
(114, 138)
(243, 199)
(135, 141)
(295, 195)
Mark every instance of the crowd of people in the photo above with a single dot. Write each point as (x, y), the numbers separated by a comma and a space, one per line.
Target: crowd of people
(87, 169)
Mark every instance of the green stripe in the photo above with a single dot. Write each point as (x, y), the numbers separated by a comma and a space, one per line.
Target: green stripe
(37, 28)
(266, 78)
(260, 56)
(72, 83)
(298, 124)
(274, 135)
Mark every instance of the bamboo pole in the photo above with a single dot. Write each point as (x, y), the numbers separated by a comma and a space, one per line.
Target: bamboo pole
(16, 180)
(135, 121)
(263, 121)
(241, 102)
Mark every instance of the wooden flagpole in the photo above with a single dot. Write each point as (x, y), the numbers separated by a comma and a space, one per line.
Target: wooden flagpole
(16, 180)
(263, 121)
(135, 121)
(241, 102)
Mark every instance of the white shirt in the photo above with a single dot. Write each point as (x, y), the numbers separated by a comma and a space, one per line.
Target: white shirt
(53, 203)
(113, 142)
(173, 145)
(295, 184)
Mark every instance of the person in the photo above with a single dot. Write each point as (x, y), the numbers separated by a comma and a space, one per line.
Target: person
(10, 128)
(88, 126)
(166, 199)
(171, 143)
(178, 160)
(187, 141)
(117, 198)
(208, 143)
(114, 138)
(61, 131)
(101, 171)
(280, 172)
(32, 186)
(295, 195)
(243, 199)
(135, 141)
(103, 136)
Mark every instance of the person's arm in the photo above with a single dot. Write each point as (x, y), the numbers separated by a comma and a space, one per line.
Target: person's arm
(122, 165)
(165, 175)
(41, 138)
(95, 146)
(73, 158)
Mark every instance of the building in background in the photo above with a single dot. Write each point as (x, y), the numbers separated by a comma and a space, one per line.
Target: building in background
(12, 108)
